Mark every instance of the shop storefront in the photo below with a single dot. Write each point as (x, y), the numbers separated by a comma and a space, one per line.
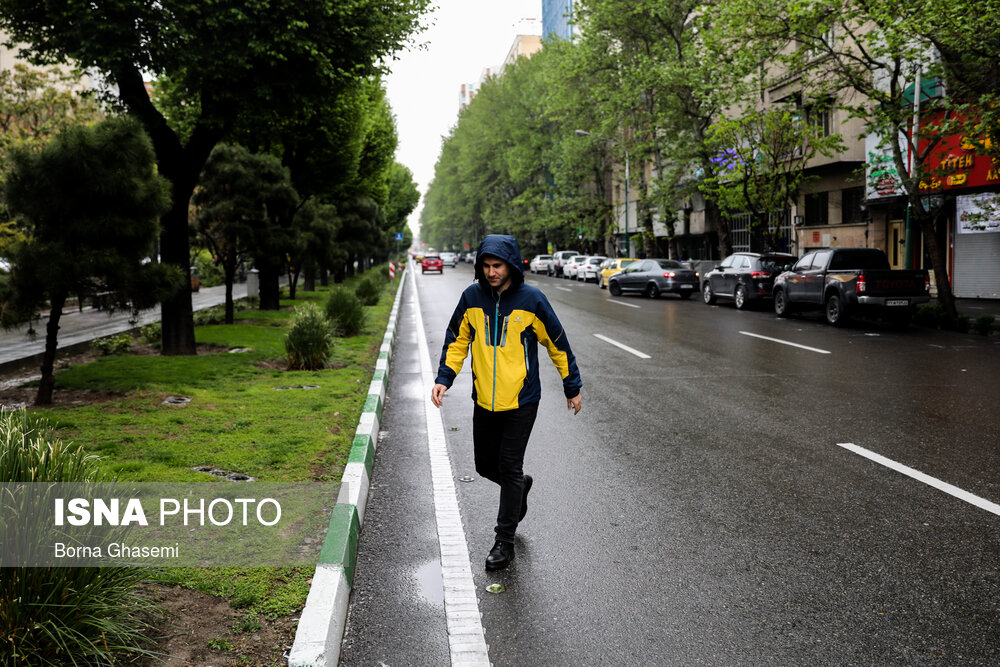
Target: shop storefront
(974, 228)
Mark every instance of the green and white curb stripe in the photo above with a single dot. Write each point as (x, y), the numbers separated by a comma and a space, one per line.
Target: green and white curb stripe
(321, 625)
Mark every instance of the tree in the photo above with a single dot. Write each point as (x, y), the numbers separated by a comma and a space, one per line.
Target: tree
(239, 198)
(663, 81)
(229, 60)
(760, 166)
(35, 104)
(871, 53)
(89, 200)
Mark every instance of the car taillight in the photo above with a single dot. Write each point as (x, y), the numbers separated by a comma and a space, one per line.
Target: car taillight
(862, 285)
(927, 282)
(760, 274)
(669, 274)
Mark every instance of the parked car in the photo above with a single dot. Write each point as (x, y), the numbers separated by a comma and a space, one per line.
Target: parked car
(470, 257)
(745, 277)
(449, 259)
(559, 260)
(610, 267)
(846, 281)
(431, 263)
(571, 267)
(652, 277)
(540, 263)
(590, 268)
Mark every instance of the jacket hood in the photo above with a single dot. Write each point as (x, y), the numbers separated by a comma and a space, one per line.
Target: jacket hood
(504, 247)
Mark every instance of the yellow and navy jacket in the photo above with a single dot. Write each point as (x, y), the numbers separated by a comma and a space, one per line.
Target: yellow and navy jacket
(503, 331)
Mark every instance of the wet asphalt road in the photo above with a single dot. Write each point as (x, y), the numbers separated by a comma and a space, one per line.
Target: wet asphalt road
(699, 510)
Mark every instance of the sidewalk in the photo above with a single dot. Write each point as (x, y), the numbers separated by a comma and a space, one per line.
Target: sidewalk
(78, 328)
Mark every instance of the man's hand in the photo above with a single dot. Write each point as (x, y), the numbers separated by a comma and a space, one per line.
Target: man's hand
(575, 404)
(437, 394)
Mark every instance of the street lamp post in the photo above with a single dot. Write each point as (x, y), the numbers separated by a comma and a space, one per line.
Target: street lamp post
(628, 241)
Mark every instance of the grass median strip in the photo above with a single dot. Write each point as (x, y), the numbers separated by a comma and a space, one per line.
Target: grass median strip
(237, 420)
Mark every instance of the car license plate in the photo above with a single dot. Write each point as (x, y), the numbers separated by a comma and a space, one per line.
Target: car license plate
(687, 286)
(897, 302)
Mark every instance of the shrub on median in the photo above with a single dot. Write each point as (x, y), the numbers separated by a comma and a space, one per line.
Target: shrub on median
(345, 312)
(57, 615)
(369, 290)
(308, 342)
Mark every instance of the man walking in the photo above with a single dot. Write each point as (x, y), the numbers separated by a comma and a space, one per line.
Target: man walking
(503, 320)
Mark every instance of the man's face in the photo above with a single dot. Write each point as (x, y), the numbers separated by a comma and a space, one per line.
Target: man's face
(497, 272)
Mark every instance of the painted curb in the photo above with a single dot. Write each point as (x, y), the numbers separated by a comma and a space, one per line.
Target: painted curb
(322, 622)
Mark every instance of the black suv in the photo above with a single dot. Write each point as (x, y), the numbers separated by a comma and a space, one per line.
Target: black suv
(745, 277)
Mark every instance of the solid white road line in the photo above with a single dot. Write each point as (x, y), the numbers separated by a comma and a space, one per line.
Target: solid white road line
(632, 350)
(785, 342)
(466, 637)
(981, 503)
(622, 303)
(564, 289)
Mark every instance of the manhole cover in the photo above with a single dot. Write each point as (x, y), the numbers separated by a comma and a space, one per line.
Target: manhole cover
(176, 400)
(466, 478)
(226, 474)
(238, 350)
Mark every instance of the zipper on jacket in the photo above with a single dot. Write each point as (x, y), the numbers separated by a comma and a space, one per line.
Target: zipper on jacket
(496, 319)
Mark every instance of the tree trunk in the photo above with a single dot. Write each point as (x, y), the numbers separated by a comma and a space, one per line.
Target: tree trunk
(309, 279)
(270, 291)
(48, 382)
(944, 293)
(293, 279)
(176, 314)
(230, 270)
(181, 165)
(324, 277)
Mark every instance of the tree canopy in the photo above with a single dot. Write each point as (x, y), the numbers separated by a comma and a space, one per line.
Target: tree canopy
(230, 61)
(89, 202)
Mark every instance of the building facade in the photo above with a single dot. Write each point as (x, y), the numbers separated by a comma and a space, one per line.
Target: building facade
(556, 23)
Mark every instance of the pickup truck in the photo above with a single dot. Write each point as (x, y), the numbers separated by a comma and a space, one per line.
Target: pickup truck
(848, 281)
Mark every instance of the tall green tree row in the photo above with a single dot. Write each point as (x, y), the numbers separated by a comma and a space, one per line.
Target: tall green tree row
(678, 91)
(233, 61)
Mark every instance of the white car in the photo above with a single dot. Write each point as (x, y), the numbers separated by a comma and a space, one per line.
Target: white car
(572, 266)
(559, 260)
(590, 268)
(449, 259)
(540, 264)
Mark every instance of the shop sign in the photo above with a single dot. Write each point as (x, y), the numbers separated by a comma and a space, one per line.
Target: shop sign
(977, 214)
(882, 178)
(954, 163)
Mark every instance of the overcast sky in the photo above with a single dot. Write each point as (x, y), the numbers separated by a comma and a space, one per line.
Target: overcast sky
(463, 38)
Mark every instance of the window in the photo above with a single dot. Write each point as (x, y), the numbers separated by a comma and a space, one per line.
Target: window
(820, 259)
(742, 262)
(728, 261)
(853, 199)
(804, 263)
(819, 114)
(817, 208)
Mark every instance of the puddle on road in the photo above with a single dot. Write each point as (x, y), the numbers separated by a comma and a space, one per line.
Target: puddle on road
(430, 585)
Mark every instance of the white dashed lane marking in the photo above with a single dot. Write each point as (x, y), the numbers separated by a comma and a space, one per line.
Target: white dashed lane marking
(951, 490)
(630, 350)
(785, 342)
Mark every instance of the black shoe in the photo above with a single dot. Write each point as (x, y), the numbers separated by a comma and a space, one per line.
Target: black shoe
(524, 497)
(500, 556)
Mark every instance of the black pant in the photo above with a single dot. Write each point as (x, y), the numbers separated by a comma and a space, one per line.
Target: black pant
(500, 439)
